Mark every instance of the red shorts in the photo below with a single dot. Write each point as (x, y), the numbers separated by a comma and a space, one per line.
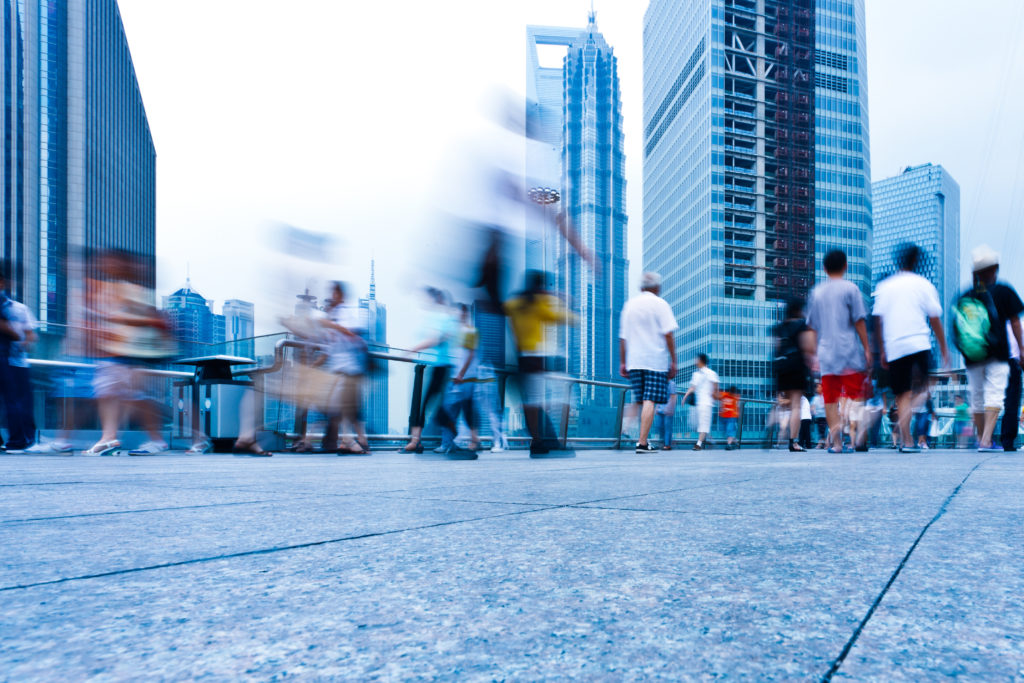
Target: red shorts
(850, 385)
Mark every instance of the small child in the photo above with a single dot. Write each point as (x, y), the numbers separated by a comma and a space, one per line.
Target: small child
(729, 411)
(665, 415)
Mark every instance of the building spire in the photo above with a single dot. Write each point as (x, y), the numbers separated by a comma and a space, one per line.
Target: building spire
(592, 17)
(373, 280)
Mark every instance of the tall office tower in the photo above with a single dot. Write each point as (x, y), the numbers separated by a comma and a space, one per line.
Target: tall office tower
(239, 327)
(195, 325)
(920, 205)
(375, 398)
(576, 110)
(842, 153)
(79, 166)
(734, 191)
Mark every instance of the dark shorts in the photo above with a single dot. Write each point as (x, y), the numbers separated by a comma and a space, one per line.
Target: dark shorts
(793, 381)
(649, 385)
(909, 373)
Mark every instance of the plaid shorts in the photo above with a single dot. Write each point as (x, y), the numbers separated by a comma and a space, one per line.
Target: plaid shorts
(649, 385)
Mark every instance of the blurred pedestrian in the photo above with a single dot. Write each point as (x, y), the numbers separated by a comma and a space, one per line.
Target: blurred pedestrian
(907, 311)
(665, 415)
(1011, 409)
(982, 316)
(17, 327)
(440, 329)
(647, 351)
(837, 315)
(133, 338)
(530, 313)
(704, 388)
(794, 357)
(820, 416)
(349, 361)
(459, 398)
(924, 414)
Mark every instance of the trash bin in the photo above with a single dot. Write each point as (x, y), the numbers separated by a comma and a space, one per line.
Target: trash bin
(217, 398)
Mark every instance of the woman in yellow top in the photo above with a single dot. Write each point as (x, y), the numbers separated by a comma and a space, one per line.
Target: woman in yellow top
(530, 312)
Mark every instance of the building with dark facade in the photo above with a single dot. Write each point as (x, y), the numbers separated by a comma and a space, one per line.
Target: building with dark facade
(79, 165)
(200, 332)
(755, 164)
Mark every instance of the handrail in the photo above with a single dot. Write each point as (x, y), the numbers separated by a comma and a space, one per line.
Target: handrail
(70, 365)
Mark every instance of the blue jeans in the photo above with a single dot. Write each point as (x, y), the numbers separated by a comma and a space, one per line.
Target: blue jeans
(17, 389)
(664, 424)
(729, 423)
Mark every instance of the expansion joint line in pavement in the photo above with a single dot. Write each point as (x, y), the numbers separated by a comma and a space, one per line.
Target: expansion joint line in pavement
(895, 575)
(330, 541)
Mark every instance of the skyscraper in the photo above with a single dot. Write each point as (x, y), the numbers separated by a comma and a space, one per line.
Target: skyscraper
(79, 166)
(920, 205)
(195, 325)
(239, 328)
(575, 110)
(375, 398)
(741, 189)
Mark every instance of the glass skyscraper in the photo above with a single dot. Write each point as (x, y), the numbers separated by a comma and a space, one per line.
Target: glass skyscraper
(920, 205)
(79, 166)
(742, 187)
(575, 110)
(239, 328)
(197, 328)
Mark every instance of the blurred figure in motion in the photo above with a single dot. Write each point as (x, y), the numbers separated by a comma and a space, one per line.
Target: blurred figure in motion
(961, 421)
(647, 351)
(665, 415)
(907, 311)
(987, 316)
(530, 313)
(794, 357)
(704, 387)
(349, 356)
(17, 333)
(440, 329)
(459, 398)
(132, 337)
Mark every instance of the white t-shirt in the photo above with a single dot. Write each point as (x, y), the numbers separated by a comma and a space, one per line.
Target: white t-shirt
(805, 408)
(905, 301)
(645, 320)
(703, 384)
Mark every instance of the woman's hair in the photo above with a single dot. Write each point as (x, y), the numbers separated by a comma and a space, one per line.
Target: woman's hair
(794, 308)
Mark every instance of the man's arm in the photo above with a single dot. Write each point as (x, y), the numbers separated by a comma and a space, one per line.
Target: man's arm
(862, 332)
(940, 334)
(881, 343)
(622, 358)
(670, 342)
(1017, 333)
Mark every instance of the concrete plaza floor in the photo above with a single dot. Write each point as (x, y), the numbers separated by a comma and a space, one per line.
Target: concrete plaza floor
(611, 566)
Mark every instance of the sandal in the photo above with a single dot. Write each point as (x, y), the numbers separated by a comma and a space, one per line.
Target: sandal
(103, 448)
(250, 448)
(355, 449)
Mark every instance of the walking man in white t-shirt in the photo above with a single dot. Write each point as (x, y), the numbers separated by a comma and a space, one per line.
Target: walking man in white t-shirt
(704, 385)
(906, 306)
(647, 351)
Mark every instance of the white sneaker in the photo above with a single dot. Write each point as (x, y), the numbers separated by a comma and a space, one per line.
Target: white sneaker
(200, 448)
(497, 448)
(49, 447)
(150, 448)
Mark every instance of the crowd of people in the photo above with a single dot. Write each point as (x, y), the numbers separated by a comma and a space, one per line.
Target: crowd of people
(835, 372)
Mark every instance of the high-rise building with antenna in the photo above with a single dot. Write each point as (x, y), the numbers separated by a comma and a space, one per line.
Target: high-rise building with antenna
(574, 108)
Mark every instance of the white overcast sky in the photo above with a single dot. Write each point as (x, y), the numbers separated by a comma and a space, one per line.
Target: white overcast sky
(333, 115)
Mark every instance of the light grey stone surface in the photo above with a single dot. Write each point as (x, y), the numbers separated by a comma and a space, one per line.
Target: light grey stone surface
(609, 566)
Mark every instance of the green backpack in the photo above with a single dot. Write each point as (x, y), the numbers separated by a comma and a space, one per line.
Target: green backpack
(975, 323)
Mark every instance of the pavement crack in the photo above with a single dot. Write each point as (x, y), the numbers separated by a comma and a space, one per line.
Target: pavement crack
(838, 662)
(130, 512)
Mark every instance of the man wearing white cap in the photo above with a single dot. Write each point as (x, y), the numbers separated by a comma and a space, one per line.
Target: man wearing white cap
(647, 351)
(986, 347)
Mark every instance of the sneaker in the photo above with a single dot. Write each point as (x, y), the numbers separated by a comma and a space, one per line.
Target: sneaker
(442, 450)
(984, 449)
(497, 448)
(911, 449)
(646, 448)
(17, 450)
(698, 446)
(150, 448)
(200, 448)
(924, 447)
(50, 447)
